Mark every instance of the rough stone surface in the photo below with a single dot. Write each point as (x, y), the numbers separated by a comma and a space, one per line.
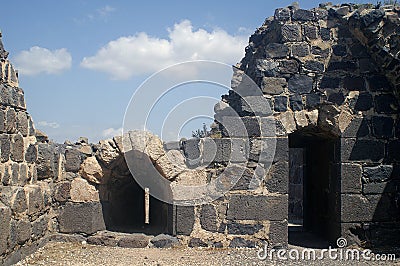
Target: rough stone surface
(164, 241)
(271, 85)
(184, 219)
(208, 218)
(134, 241)
(92, 171)
(300, 84)
(5, 219)
(82, 191)
(84, 217)
(258, 208)
(378, 173)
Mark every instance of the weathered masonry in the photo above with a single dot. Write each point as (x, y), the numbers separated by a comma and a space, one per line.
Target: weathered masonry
(331, 78)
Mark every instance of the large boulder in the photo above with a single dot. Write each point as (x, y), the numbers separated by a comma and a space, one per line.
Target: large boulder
(92, 171)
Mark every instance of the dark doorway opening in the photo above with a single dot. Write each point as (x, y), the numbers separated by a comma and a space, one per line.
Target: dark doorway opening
(314, 193)
(123, 202)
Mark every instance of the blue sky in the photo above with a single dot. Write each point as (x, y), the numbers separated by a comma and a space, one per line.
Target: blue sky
(81, 61)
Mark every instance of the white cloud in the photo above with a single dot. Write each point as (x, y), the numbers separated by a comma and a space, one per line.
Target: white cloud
(48, 124)
(99, 14)
(39, 60)
(142, 54)
(112, 132)
(105, 11)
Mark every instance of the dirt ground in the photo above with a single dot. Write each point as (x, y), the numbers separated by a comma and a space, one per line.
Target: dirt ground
(84, 254)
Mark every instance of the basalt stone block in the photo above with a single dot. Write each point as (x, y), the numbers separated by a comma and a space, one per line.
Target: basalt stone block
(18, 202)
(359, 208)
(313, 100)
(191, 150)
(2, 121)
(393, 148)
(379, 173)
(105, 239)
(354, 83)
(296, 102)
(11, 121)
(303, 15)
(271, 85)
(172, 145)
(325, 34)
(197, 242)
(278, 178)
(329, 83)
(62, 191)
(291, 33)
(288, 66)
(310, 32)
(339, 50)
(320, 14)
(208, 218)
(164, 241)
(45, 163)
(258, 207)
(351, 178)
(15, 175)
(336, 98)
(255, 105)
(276, 50)
(73, 160)
(23, 123)
(300, 50)
(386, 104)
(243, 229)
(184, 219)
(239, 242)
(262, 150)
(239, 150)
(359, 51)
(373, 16)
(281, 150)
(31, 154)
(5, 221)
(379, 83)
(364, 102)
(380, 188)
(34, 198)
(300, 84)
(39, 227)
(278, 233)
(382, 127)
(245, 181)
(23, 231)
(134, 241)
(243, 127)
(362, 150)
(5, 147)
(280, 103)
(84, 217)
(314, 66)
(17, 148)
(265, 67)
(342, 65)
(315, 50)
(216, 150)
(358, 127)
(282, 14)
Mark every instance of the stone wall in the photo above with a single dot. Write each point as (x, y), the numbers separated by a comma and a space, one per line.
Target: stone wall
(326, 83)
(25, 199)
(332, 73)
